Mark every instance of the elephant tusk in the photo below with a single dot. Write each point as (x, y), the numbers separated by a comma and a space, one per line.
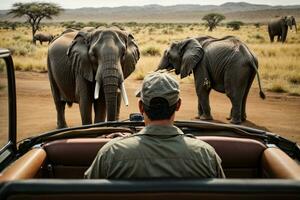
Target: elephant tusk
(124, 94)
(97, 89)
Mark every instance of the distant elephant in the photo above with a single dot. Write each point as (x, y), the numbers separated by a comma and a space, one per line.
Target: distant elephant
(279, 28)
(225, 65)
(89, 68)
(43, 37)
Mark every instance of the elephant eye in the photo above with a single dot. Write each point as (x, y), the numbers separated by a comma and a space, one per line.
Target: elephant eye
(92, 54)
(122, 53)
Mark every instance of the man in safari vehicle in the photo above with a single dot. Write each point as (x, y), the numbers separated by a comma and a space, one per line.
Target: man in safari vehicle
(160, 150)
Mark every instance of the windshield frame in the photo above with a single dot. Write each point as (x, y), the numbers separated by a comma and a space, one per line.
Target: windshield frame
(12, 108)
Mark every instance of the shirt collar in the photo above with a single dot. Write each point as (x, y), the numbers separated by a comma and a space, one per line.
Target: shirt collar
(160, 130)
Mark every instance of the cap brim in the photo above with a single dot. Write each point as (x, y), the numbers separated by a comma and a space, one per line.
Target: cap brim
(138, 92)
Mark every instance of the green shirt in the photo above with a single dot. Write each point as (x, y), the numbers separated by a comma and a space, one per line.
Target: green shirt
(156, 152)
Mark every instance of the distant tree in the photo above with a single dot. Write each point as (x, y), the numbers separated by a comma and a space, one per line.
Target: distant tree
(257, 25)
(35, 12)
(213, 20)
(235, 25)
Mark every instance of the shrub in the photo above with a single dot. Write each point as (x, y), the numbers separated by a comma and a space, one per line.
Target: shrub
(151, 30)
(235, 25)
(151, 51)
(167, 32)
(294, 79)
(259, 37)
(179, 29)
(277, 88)
(257, 25)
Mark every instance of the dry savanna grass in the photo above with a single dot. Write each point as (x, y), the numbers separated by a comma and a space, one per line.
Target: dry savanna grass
(279, 64)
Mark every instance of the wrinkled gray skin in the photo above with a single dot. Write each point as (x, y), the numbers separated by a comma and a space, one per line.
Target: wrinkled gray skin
(279, 28)
(225, 65)
(77, 60)
(43, 37)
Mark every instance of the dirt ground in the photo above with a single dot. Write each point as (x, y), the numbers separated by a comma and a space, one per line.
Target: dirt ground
(278, 113)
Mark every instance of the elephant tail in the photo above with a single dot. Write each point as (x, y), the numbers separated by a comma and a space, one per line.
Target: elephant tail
(254, 64)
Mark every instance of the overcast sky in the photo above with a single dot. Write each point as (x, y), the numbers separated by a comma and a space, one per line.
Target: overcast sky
(6, 4)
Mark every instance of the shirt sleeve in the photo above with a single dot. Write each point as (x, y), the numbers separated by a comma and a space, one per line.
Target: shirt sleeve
(219, 169)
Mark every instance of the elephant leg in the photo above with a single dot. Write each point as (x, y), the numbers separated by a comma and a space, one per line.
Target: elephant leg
(100, 109)
(283, 37)
(237, 83)
(200, 110)
(244, 115)
(85, 106)
(271, 37)
(41, 42)
(236, 110)
(60, 108)
(203, 105)
(84, 91)
(278, 38)
(59, 104)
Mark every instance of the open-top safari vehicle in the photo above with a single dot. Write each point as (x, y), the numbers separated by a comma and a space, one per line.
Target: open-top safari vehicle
(257, 164)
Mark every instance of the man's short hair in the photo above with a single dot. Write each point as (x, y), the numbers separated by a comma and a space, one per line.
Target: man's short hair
(159, 109)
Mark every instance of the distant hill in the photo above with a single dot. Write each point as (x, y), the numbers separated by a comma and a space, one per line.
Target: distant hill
(178, 13)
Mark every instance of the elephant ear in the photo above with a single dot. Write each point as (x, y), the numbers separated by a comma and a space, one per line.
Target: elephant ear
(284, 19)
(191, 54)
(79, 57)
(131, 56)
(294, 22)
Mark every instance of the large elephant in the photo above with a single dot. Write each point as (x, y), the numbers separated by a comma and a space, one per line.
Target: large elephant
(89, 68)
(43, 37)
(225, 65)
(279, 28)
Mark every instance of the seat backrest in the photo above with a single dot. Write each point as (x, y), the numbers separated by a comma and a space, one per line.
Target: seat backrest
(240, 157)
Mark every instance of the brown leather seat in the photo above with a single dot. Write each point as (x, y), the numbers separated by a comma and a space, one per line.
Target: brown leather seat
(69, 158)
(240, 157)
(26, 167)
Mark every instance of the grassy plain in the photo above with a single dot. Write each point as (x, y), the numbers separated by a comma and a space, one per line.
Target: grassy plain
(279, 64)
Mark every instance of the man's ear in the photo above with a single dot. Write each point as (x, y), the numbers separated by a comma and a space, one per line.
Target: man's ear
(141, 107)
(178, 104)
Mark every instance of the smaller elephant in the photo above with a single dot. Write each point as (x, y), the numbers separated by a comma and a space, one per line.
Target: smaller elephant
(225, 65)
(279, 28)
(43, 37)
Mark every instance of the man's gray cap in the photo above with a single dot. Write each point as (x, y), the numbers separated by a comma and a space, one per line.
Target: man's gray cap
(158, 84)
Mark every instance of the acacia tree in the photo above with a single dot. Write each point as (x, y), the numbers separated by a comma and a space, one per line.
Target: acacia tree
(35, 12)
(213, 20)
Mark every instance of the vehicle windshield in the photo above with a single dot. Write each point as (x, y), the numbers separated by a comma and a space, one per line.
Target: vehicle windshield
(154, 25)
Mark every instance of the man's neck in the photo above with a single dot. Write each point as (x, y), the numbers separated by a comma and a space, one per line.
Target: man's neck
(164, 122)
(160, 123)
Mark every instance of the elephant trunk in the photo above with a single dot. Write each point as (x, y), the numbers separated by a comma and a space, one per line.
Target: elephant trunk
(111, 94)
(164, 62)
(110, 78)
